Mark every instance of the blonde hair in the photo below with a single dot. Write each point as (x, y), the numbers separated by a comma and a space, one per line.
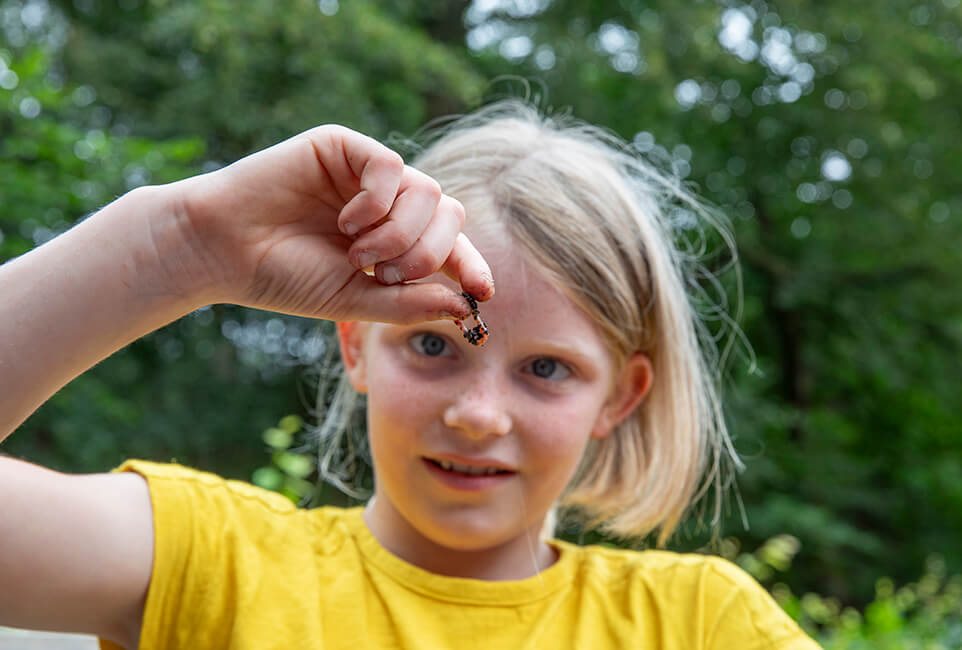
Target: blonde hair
(594, 216)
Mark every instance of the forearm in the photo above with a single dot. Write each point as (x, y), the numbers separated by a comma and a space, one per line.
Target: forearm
(75, 300)
(264, 232)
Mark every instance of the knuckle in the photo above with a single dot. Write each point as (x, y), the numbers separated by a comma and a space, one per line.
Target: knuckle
(317, 131)
(397, 240)
(457, 209)
(463, 244)
(326, 132)
(434, 189)
(407, 237)
(426, 184)
(429, 261)
(420, 263)
(393, 161)
(380, 204)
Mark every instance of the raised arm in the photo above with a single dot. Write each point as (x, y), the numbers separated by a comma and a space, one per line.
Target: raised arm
(287, 229)
(75, 300)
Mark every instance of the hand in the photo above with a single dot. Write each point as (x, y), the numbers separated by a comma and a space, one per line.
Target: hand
(290, 229)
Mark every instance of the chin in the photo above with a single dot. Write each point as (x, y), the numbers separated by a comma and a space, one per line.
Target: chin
(469, 531)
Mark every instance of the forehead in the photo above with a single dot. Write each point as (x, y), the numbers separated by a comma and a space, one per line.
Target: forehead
(520, 284)
(527, 305)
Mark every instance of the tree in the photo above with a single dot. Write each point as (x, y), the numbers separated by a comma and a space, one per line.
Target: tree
(824, 131)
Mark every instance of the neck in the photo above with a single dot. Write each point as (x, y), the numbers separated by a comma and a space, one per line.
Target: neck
(521, 557)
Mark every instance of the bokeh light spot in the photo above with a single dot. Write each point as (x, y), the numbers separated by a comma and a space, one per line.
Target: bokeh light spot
(836, 167)
(801, 228)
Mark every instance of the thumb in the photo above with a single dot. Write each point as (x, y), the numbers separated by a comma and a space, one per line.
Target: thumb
(401, 304)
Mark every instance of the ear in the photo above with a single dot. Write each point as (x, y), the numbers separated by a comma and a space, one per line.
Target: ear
(350, 336)
(631, 385)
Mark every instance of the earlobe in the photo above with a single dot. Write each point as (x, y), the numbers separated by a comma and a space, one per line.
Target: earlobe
(350, 337)
(631, 386)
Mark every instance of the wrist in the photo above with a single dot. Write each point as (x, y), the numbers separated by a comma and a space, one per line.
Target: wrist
(164, 257)
(75, 300)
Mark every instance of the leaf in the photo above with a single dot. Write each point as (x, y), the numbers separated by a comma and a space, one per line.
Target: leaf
(278, 438)
(294, 464)
(291, 423)
(268, 478)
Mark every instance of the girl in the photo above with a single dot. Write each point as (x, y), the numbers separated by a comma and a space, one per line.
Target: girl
(590, 392)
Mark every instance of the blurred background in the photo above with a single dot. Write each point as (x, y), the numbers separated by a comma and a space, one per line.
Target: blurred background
(825, 131)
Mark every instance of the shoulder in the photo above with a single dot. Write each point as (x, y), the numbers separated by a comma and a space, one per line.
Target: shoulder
(712, 599)
(172, 479)
(201, 519)
(203, 508)
(682, 568)
(227, 554)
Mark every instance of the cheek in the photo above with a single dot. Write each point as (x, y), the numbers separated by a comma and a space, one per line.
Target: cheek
(392, 426)
(396, 401)
(558, 436)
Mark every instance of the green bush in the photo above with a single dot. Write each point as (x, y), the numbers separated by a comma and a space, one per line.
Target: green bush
(922, 615)
(289, 468)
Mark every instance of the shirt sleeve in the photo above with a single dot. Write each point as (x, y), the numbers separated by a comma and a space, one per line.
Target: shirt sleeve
(200, 547)
(747, 616)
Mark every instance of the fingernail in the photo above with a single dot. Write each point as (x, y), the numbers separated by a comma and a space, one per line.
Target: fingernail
(490, 281)
(391, 274)
(350, 229)
(366, 259)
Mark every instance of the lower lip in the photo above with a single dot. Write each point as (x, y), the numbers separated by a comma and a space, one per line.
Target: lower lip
(466, 482)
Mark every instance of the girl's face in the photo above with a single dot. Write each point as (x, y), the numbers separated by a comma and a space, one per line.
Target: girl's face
(519, 411)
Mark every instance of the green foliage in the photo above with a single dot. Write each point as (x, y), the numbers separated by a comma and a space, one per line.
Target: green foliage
(830, 145)
(292, 470)
(829, 142)
(53, 172)
(289, 468)
(243, 80)
(921, 615)
(59, 161)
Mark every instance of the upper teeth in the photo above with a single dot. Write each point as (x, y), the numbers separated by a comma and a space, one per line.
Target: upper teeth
(467, 469)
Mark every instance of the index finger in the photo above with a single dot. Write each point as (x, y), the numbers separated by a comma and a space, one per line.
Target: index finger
(375, 168)
(466, 266)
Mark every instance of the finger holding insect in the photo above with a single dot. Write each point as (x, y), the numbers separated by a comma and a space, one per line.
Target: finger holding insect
(414, 208)
(466, 266)
(365, 298)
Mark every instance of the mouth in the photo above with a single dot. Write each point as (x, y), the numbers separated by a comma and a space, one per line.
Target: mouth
(467, 470)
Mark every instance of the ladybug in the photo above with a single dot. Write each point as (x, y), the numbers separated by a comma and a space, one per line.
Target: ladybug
(478, 334)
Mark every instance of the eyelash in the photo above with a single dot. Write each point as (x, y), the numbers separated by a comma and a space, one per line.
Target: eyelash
(529, 367)
(558, 365)
(413, 341)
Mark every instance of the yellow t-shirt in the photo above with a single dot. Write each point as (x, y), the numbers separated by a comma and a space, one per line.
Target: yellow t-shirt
(238, 567)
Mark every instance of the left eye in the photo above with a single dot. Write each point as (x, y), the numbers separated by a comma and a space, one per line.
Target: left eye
(430, 345)
(546, 368)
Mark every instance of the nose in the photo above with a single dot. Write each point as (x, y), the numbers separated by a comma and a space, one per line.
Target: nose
(479, 412)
